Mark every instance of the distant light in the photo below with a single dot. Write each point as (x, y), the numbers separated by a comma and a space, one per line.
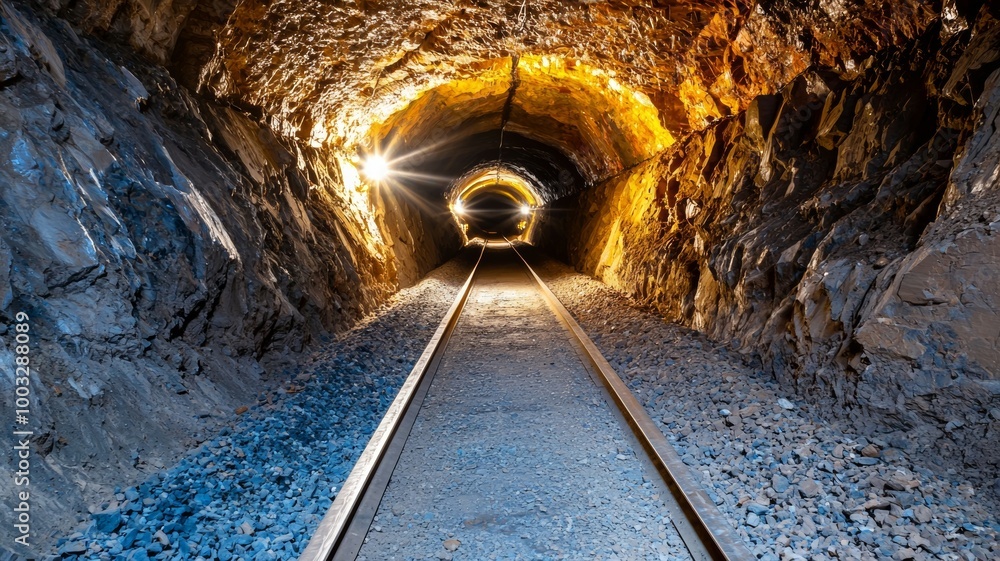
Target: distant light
(376, 168)
(458, 207)
(525, 210)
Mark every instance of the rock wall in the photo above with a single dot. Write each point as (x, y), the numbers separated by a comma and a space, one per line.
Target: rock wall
(172, 255)
(845, 229)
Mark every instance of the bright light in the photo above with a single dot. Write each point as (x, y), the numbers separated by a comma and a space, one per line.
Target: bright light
(459, 207)
(525, 210)
(376, 168)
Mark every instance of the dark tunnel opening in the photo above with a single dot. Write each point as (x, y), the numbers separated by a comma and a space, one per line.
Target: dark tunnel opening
(437, 165)
(493, 214)
(554, 172)
(538, 176)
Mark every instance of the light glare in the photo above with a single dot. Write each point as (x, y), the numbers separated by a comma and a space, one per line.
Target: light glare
(459, 207)
(376, 168)
(525, 210)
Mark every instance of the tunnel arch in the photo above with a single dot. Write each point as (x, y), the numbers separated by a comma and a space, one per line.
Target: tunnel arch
(576, 108)
(493, 200)
(552, 124)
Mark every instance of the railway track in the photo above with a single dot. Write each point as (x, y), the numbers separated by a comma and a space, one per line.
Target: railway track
(342, 533)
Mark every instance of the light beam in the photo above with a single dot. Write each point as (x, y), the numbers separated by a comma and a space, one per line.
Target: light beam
(376, 168)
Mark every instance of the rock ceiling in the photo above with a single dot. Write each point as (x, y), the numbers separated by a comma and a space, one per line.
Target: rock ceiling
(609, 84)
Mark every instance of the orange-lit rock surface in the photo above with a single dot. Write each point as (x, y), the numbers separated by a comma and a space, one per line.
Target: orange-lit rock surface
(843, 229)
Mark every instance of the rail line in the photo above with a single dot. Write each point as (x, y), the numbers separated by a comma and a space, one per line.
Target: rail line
(341, 533)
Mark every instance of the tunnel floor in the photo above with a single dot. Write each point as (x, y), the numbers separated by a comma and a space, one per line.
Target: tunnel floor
(515, 454)
(792, 482)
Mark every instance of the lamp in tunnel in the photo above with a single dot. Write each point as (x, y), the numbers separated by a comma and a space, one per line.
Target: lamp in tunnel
(376, 168)
(459, 207)
(525, 210)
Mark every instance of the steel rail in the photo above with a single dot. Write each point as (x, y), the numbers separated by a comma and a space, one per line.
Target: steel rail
(341, 533)
(705, 531)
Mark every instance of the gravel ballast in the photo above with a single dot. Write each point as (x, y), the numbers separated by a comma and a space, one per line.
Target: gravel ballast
(515, 454)
(258, 489)
(793, 483)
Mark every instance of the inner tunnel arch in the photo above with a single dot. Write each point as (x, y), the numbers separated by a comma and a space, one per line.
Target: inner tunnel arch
(493, 200)
(554, 125)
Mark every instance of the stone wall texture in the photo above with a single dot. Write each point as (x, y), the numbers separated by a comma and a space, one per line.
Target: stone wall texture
(172, 254)
(845, 230)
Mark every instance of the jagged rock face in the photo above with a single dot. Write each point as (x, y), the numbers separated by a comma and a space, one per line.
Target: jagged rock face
(847, 229)
(812, 181)
(697, 61)
(165, 248)
(342, 74)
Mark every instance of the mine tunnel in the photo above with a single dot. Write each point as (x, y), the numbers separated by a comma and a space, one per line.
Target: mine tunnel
(231, 229)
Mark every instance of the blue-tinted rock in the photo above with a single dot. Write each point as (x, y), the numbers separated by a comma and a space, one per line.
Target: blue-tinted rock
(71, 548)
(107, 521)
(129, 538)
(265, 555)
(779, 483)
(757, 508)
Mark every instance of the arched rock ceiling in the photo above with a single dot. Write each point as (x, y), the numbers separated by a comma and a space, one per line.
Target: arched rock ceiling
(566, 104)
(503, 181)
(608, 83)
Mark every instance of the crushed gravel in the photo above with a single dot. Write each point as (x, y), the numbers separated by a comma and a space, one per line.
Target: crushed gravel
(258, 490)
(794, 484)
